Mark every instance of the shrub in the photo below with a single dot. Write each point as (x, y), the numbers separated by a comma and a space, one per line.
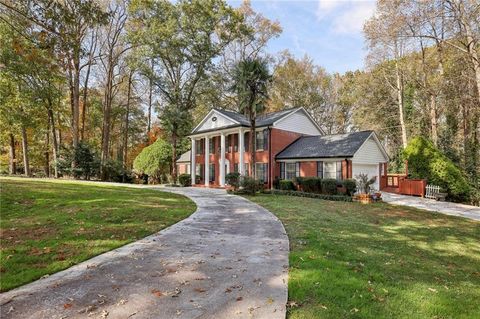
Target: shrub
(329, 186)
(114, 171)
(350, 185)
(185, 180)
(428, 162)
(312, 184)
(154, 160)
(364, 183)
(233, 179)
(287, 185)
(251, 185)
(85, 157)
(341, 198)
(276, 183)
(298, 181)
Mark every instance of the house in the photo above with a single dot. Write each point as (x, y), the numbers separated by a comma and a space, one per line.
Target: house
(289, 144)
(183, 163)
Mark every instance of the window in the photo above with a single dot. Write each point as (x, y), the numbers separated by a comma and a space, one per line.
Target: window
(199, 146)
(247, 141)
(332, 170)
(211, 145)
(235, 143)
(199, 171)
(320, 169)
(228, 144)
(235, 168)
(261, 140)
(247, 166)
(282, 170)
(292, 170)
(212, 173)
(261, 172)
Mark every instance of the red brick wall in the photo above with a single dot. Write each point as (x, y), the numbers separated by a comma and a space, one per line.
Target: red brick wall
(280, 139)
(308, 169)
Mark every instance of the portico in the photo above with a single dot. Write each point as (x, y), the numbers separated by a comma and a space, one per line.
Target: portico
(224, 147)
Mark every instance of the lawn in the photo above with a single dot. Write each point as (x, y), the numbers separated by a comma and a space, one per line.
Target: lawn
(349, 260)
(47, 226)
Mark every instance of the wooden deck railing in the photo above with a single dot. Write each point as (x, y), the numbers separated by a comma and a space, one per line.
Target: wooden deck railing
(399, 183)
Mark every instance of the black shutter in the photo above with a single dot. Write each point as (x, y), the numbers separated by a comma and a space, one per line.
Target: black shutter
(282, 170)
(320, 169)
(247, 141)
(297, 169)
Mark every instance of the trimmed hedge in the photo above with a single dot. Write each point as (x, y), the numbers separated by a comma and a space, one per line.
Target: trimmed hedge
(339, 198)
(287, 185)
(312, 184)
(350, 185)
(329, 186)
(251, 185)
(426, 161)
(233, 179)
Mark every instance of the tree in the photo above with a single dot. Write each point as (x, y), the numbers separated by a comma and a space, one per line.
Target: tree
(154, 160)
(251, 79)
(181, 39)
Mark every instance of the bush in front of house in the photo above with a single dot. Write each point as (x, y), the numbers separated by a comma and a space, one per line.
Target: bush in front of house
(287, 185)
(350, 185)
(312, 185)
(329, 186)
(250, 185)
(428, 162)
(341, 198)
(233, 179)
(276, 183)
(185, 180)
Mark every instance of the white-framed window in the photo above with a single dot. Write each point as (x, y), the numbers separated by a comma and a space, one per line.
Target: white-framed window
(247, 169)
(261, 172)
(292, 170)
(212, 172)
(332, 170)
(199, 170)
(261, 140)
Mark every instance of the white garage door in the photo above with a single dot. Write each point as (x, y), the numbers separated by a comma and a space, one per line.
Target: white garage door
(369, 169)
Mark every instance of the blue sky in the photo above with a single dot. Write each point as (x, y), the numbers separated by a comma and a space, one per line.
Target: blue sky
(329, 31)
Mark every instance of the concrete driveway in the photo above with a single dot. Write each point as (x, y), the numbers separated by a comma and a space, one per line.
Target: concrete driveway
(227, 260)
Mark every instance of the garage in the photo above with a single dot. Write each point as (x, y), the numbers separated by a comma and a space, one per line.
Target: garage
(369, 169)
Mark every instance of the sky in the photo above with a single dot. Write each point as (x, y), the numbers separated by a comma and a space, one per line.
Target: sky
(329, 31)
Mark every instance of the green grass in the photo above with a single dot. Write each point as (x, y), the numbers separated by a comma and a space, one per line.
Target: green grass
(47, 225)
(349, 260)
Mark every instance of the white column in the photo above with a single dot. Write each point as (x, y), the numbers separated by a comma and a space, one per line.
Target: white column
(207, 161)
(241, 150)
(222, 159)
(193, 171)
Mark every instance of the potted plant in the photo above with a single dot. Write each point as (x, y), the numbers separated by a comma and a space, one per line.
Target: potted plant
(364, 186)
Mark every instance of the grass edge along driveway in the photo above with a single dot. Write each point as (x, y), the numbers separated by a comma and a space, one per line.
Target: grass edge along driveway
(49, 225)
(349, 260)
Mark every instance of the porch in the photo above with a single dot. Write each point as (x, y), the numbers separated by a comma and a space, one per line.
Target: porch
(401, 184)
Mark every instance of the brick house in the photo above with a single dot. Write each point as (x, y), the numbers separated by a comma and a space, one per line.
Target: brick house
(289, 144)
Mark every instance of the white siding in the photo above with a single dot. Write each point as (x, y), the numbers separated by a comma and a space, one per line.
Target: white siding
(298, 122)
(369, 153)
(208, 124)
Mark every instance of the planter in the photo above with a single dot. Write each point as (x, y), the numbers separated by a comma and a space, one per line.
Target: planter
(364, 198)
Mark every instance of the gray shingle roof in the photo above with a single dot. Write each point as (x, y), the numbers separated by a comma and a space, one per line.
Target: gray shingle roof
(262, 120)
(184, 158)
(325, 146)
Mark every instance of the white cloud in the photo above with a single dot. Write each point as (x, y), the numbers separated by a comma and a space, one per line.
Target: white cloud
(345, 16)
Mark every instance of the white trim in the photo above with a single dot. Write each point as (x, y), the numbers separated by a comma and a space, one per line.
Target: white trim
(208, 115)
(385, 155)
(306, 113)
(323, 159)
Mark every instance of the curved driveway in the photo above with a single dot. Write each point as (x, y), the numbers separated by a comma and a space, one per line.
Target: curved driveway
(227, 260)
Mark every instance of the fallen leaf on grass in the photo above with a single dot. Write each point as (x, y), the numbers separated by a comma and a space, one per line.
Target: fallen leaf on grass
(323, 307)
(292, 304)
(432, 290)
(354, 310)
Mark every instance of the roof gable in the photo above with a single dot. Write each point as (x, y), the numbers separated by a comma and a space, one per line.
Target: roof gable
(213, 120)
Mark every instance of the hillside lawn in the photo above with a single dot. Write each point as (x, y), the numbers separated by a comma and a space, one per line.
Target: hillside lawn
(349, 260)
(48, 225)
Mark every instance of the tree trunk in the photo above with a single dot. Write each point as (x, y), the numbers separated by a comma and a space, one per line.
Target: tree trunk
(12, 167)
(107, 109)
(433, 118)
(54, 141)
(76, 100)
(26, 163)
(400, 104)
(46, 167)
(84, 101)
(59, 131)
(150, 92)
(127, 115)
(174, 156)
